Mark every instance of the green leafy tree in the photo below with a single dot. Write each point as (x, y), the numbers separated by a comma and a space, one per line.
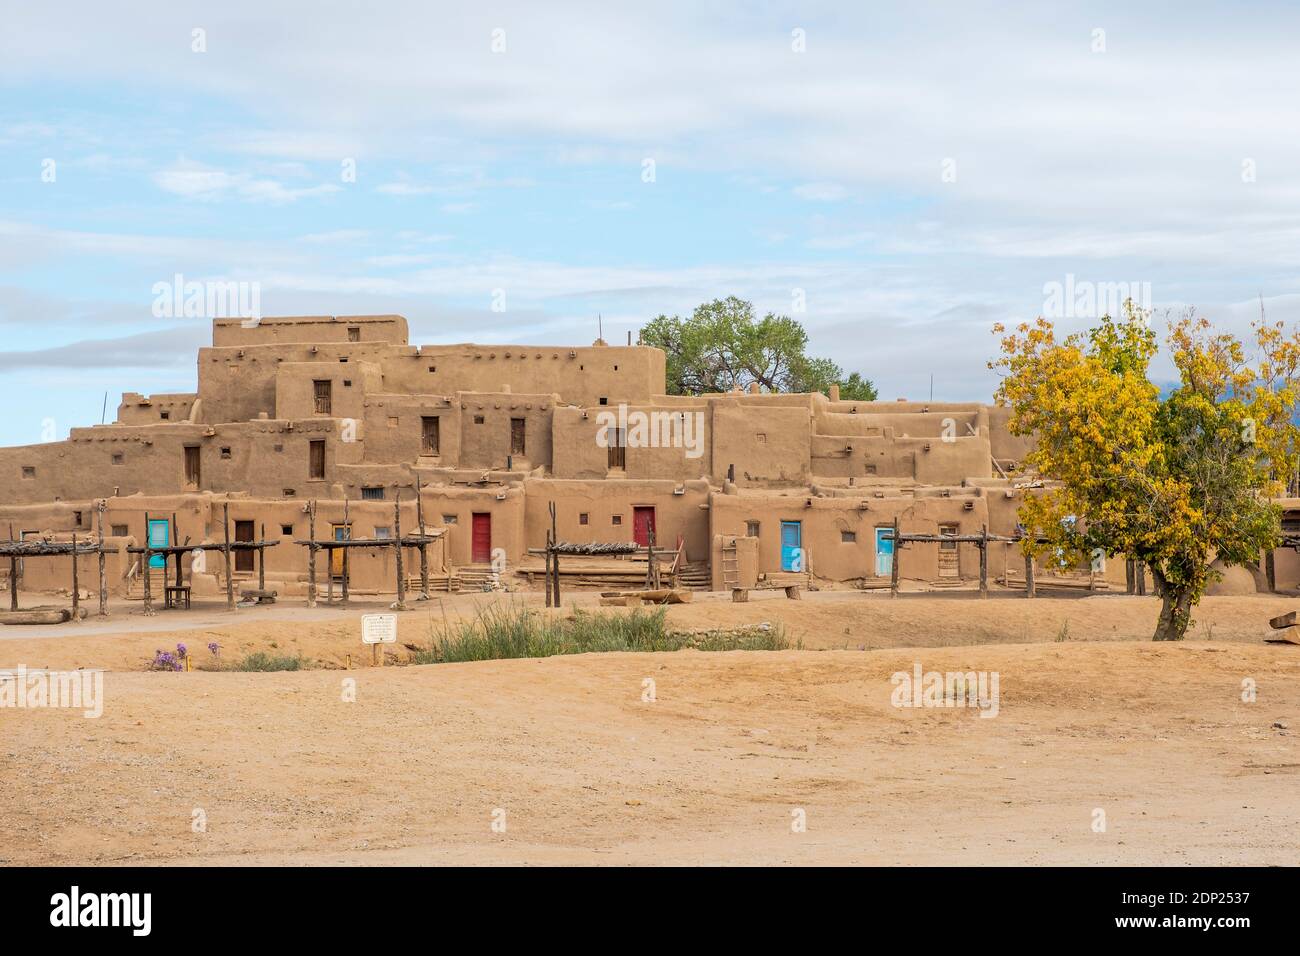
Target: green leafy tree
(1176, 480)
(722, 346)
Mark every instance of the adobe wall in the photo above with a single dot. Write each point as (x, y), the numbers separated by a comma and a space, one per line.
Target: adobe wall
(137, 409)
(768, 444)
(485, 429)
(295, 388)
(390, 329)
(668, 447)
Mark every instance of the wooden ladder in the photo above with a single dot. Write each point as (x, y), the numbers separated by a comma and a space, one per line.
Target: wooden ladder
(730, 567)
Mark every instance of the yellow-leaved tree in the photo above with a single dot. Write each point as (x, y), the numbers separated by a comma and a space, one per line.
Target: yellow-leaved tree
(1173, 479)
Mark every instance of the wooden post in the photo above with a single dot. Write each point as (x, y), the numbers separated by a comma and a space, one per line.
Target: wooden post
(261, 561)
(555, 562)
(424, 549)
(397, 532)
(1128, 576)
(650, 563)
(1270, 571)
(1029, 576)
(1140, 575)
(13, 573)
(230, 578)
(103, 574)
(144, 567)
(347, 536)
(311, 553)
(893, 564)
(547, 578)
(76, 585)
(984, 560)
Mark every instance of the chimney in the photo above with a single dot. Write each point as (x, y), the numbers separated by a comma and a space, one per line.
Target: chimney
(835, 393)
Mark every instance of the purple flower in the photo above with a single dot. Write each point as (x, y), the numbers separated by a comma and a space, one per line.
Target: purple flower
(181, 650)
(214, 647)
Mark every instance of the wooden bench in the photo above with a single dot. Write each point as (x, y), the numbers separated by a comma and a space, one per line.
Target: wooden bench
(174, 595)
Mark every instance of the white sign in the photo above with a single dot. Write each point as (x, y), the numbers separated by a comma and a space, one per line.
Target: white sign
(379, 629)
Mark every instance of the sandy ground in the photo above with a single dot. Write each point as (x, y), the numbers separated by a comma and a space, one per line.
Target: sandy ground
(714, 770)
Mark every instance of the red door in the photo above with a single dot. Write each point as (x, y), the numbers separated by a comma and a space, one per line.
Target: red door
(482, 547)
(643, 525)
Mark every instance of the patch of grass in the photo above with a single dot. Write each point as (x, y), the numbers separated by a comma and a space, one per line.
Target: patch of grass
(1063, 634)
(262, 661)
(511, 631)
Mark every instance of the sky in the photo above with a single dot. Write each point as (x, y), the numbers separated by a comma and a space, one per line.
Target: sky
(896, 177)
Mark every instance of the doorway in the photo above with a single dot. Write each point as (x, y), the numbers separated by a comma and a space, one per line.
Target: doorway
(884, 552)
(948, 563)
(159, 537)
(643, 525)
(481, 533)
(791, 546)
(243, 559)
(342, 532)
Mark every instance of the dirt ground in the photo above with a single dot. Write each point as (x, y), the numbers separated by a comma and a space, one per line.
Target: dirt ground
(732, 750)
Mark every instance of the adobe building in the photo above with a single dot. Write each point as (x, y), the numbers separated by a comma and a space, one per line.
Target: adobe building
(343, 412)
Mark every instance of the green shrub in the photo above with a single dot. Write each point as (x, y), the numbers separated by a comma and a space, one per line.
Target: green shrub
(262, 661)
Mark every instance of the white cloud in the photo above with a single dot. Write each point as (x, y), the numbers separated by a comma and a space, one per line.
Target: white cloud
(194, 180)
(821, 192)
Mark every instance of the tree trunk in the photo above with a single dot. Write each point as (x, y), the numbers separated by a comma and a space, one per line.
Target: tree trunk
(1175, 613)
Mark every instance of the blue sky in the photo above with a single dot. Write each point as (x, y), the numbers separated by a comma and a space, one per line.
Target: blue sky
(913, 175)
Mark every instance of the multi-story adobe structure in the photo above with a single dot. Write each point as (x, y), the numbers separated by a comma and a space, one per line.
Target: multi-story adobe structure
(323, 408)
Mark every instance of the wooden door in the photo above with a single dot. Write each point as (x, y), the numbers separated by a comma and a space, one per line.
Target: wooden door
(884, 551)
(336, 555)
(481, 529)
(791, 546)
(948, 563)
(160, 531)
(517, 436)
(244, 532)
(643, 525)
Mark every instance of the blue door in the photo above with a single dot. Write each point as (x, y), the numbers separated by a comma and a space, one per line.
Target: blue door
(791, 546)
(159, 537)
(884, 551)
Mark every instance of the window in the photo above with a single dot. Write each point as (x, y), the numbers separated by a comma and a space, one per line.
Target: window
(751, 529)
(392, 421)
(29, 471)
(383, 532)
(323, 389)
(225, 451)
(616, 519)
(449, 519)
(286, 530)
(604, 400)
(762, 438)
(372, 494)
(347, 383)
(584, 518)
(615, 438)
(192, 475)
(433, 368)
(516, 436)
(343, 358)
(478, 419)
(429, 435)
(77, 518)
(119, 531)
(279, 447)
(165, 415)
(354, 333)
(871, 469)
(118, 458)
(317, 460)
(848, 537)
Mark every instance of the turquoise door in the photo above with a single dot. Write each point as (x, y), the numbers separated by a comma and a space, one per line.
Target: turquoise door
(159, 537)
(791, 546)
(884, 551)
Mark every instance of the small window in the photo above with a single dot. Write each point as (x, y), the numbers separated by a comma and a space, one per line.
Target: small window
(279, 447)
(615, 368)
(77, 518)
(433, 368)
(383, 532)
(584, 518)
(286, 530)
(287, 492)
(604, 400)
(343, 358)
(751, 529)
(449, 519)
(478, 419)
(762, 438)
(372, 494)
(616, 519)
(848, 537)
(164, 415)
(347, 383)
(119, 531)
(354, 333)
(118, 458)
(392, 421)
(225, 451)
(29, 471)
(871, 469)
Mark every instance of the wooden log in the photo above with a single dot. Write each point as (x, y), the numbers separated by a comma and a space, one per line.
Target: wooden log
(347, 536)
(1270, 571)
(1286, 635)
(1284, 620)
(739, 595)
(230, 577)
(145, 560)
(76, 584)
(893, 563)
(984, 560)
(1030, 584)
(261, 561)
(38, 616)
(103, 573)
(13, 574)
(424, 550)
(397, 549)
(311, 553)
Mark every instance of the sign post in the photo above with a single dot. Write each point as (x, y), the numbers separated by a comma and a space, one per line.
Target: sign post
(378, 629)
